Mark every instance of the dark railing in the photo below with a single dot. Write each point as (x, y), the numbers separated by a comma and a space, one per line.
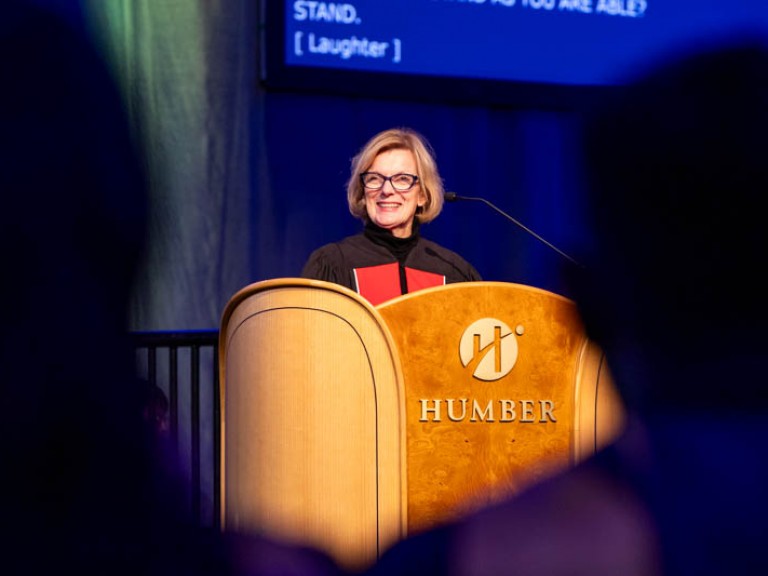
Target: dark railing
(184, 365)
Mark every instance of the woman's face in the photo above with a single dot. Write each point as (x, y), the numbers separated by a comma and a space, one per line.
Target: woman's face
(387, 207)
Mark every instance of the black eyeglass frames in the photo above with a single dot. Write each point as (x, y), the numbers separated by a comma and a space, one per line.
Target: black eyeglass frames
(400, 182)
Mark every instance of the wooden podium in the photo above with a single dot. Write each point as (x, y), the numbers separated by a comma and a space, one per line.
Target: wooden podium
(347, 426)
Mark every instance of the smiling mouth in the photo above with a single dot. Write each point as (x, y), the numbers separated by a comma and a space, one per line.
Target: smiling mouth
(388, 205)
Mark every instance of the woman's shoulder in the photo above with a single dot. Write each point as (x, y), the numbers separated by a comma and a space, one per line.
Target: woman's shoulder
(432, 247)
(432, 250)
(349, 252)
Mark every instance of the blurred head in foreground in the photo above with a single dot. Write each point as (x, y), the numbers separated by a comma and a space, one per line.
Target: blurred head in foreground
(678, 174)
(84, 493)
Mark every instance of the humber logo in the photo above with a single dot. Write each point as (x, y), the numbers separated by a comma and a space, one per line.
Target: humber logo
(488, 348)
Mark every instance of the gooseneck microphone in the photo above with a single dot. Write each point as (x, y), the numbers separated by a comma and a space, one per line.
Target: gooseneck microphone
(453, 197)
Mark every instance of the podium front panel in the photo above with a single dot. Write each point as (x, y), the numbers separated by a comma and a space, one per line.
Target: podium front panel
(491, 373)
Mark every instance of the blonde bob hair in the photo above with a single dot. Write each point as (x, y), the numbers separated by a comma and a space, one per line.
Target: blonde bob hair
(429, 178)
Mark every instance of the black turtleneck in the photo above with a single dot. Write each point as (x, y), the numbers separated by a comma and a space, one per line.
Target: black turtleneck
(399, 247)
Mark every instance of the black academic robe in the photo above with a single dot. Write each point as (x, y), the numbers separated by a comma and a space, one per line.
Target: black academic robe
(369, 267)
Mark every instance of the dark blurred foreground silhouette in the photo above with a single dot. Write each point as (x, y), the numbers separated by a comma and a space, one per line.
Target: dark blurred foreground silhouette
(674, 293)
(84, 490)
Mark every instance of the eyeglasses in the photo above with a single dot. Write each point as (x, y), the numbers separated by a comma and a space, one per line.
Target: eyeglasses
(376, 181)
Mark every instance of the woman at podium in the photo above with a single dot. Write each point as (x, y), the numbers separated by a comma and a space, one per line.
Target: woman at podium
(394, 187)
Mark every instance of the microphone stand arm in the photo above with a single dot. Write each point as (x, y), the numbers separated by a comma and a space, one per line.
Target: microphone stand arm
(511, 219)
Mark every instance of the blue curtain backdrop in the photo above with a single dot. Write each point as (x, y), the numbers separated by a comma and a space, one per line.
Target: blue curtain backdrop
(245, 183)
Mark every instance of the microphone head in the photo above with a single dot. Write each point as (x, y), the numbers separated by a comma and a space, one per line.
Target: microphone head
(450, 196)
